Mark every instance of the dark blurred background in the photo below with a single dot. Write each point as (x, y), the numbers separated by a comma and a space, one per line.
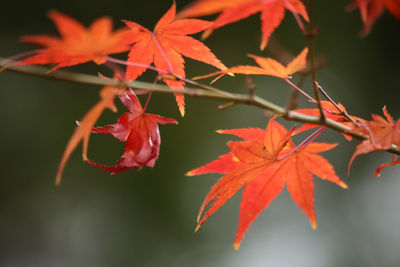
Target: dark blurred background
(147, 218)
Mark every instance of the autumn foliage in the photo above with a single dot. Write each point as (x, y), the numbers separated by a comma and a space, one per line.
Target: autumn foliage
(272, 13)
(263, 164)
(165, 46)
(266, 160)
(77, 44)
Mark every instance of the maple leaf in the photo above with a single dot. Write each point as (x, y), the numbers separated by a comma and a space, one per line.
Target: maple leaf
(82, 132)
(165, 46)
(263, 164)
(383, 133)
(331, 112)
(267, 66)
(139, 131)
(272, 13)
(371, 10)
(77, 44)
(271, 67)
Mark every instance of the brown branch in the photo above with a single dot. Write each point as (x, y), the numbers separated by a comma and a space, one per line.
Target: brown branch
(201, 92)
(310, 34)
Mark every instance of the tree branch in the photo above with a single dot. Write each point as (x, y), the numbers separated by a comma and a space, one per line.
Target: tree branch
(310, 43)
(199, 92)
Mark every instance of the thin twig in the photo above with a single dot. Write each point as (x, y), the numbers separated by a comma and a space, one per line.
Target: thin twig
(189, 91)
(250, 86)
(171, 76)
(310, 44)
(227, 105)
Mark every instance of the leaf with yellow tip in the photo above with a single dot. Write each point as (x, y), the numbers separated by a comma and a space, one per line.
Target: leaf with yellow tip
(263, 165)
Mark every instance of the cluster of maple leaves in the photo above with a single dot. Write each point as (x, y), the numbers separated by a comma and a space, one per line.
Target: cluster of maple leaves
(266, 160)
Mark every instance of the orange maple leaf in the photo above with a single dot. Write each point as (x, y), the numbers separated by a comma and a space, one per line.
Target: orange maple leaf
(272, 13)
(165, 46)
(371, 10)
(267, 66)
(264, 164)
(82, 132)
(77, 44)
(383, 133)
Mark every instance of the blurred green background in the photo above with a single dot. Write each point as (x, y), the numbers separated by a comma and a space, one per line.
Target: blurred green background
(147, 218)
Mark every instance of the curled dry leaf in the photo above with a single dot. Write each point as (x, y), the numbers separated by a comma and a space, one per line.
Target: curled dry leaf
(139, 131)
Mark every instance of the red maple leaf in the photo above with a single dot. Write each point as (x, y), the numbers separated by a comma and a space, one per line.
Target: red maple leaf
(272, 13)
(165, 46)
(82, 132)
(371, 10)
(78, 44)
(264, 164)
(139, 131)
(383, 133)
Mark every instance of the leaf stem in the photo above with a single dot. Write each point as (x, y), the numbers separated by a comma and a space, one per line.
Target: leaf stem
(341, 111)
(134, 64)
(305, 142)
(170, 68)
(300, 90)
(296, 17)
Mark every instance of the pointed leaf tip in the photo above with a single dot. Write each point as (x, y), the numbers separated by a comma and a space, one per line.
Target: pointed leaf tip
(58, 180)
(314, 225)
(343, 185)
(182, 111)
(197, 228)
(190, 173)
(236, 246)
